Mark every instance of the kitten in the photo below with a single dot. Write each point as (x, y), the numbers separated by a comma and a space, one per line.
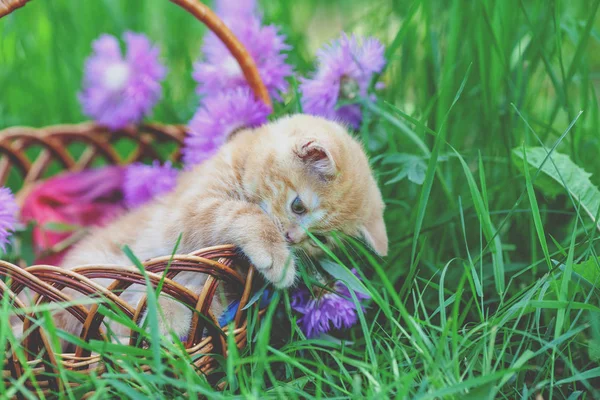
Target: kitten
(260, 192)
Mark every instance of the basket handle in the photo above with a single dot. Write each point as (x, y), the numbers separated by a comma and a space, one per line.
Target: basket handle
(214, 23)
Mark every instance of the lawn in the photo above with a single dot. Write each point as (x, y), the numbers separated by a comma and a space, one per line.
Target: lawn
(483, 140)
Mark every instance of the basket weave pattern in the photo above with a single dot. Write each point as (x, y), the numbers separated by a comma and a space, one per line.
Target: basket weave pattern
(98, 141)
(46, 283)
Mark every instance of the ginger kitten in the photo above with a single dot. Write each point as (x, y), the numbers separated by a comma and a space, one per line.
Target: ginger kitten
(260, 192)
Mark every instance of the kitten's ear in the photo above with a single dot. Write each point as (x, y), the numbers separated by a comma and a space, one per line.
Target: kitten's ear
(375, 235)
(316, 157)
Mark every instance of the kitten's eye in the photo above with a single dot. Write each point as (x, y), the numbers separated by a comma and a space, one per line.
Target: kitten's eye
(298, 206)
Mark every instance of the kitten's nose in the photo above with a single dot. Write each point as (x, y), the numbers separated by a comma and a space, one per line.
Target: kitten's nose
(289, 238)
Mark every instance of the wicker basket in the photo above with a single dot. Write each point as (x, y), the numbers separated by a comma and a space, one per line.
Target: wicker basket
(47, 282)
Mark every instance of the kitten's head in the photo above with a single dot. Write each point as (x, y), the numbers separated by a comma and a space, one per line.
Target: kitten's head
(312, 175)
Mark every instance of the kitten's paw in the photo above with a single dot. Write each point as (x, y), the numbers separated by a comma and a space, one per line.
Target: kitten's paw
(275, 263)
(174, 317)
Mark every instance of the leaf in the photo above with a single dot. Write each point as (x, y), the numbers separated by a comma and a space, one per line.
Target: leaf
(151, 321)
(257, 296)
(416, 172)
(523, 358)
(535, 211)
(401, 175)
(575, 395)
(594, 343)
(61, 227)
(489, 230)
(592, 373)
(412, 166)
(345, 275)
(400, 158)
(298, 383)
(574, 179)
(588, 272)
(26, 247)
(563, 305)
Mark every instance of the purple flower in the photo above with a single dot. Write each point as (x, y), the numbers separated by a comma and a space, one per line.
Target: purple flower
(345, 69)
(144, 182)
(236, 8)
(219, 117)
(220, 71)
(8, 216)
(333, 309)
(118, 91)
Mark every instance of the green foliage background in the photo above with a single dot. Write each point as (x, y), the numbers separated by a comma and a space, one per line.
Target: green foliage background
(491, 287)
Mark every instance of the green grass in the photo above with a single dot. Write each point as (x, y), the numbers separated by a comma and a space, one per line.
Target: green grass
(492, 285)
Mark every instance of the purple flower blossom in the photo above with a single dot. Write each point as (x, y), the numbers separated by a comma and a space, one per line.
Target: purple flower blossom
(220, 71)
(345, 69)
(118, 91)
(217, 118)
(8, 216)
(236, 8)
(329, 310)
(144, 182)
